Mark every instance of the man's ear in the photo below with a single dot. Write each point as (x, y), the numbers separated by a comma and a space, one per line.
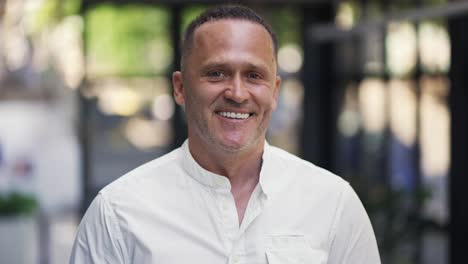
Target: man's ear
(179, 92)
(276, 91)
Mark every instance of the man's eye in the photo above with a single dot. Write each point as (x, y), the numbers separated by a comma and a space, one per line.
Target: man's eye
(215, 74)
(253, 75)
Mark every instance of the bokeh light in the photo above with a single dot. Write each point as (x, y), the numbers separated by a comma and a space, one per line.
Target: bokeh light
(345, 15)
(290, 58)
(434, 47)
(401, 50)
(371, 96)
(163, 107)
(119, 100)
(403, 111)
(145, 134)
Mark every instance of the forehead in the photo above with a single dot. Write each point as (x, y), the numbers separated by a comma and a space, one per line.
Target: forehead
(232, 33)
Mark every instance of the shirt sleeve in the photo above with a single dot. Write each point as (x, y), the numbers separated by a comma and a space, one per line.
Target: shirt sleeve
(354, 240)
(98, 239)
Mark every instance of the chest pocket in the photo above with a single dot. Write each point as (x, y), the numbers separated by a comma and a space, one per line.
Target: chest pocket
(292, 250)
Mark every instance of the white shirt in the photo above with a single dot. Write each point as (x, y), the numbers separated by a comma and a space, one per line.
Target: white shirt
(172, 211)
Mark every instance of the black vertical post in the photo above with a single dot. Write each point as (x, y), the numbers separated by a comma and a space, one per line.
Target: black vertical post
(178, 123)
(459, 139)
(318, 77)
(417, 197)
(84, 125)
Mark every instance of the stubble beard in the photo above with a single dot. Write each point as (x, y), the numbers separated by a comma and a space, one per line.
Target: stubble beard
(202, 129)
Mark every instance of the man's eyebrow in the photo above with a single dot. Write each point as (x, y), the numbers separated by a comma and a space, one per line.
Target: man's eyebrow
(249, 65)
(214, 64)
(257, 66)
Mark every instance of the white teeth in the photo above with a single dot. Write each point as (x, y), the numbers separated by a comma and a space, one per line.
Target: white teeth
(234, 115)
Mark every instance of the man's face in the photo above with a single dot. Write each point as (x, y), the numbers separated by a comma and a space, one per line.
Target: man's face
(229, 85)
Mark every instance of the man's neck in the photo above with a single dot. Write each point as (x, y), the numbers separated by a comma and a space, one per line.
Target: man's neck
(240, 167)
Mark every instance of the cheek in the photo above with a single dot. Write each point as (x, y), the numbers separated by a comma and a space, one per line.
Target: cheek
(266, 99)
(191, 104)
(196, 99)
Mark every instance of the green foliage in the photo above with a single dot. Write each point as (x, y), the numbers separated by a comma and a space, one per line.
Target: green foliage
(286, 22)
(71, 7)
(52, 11)
(190, 13)
(128, 40)
(17, 204)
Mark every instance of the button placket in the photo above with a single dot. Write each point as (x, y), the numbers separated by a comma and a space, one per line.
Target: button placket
(228, 214)
(235, 259)
(238, 251)
(254, 209)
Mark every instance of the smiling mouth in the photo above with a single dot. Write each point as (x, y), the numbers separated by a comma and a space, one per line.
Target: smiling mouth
(234, 115)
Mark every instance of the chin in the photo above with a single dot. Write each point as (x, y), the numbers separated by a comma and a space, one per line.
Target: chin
(237, 145)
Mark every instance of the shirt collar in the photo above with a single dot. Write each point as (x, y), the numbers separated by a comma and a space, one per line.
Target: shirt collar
(216, 181)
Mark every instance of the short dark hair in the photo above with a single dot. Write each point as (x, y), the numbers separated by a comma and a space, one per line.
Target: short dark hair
(224, 12)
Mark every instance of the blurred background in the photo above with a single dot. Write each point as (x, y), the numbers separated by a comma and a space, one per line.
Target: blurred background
(373, 90)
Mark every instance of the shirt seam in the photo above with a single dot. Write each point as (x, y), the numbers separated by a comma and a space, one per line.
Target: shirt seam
(116, 227)
(149, 166)
(337, 217)
(287, 157)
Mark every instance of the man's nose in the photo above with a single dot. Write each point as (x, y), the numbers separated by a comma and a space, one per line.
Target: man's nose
(237, 90)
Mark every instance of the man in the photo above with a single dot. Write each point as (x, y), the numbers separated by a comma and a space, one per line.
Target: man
(226, 196)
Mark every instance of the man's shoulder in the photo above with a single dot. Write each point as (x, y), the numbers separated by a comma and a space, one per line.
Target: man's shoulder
(303, 171)
(308, 187)
(140, 177)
